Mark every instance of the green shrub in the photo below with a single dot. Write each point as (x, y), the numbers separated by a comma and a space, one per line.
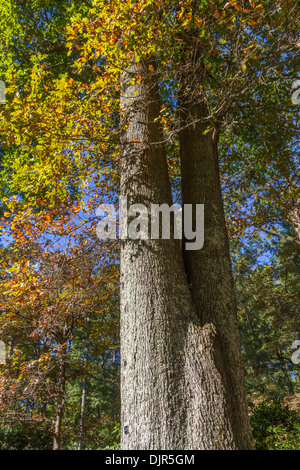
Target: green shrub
(275, 426)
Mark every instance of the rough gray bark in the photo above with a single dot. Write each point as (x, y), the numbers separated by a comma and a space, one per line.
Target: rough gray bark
(209, 270)
(174, 391)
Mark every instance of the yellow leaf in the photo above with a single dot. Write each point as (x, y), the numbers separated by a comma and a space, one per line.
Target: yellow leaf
(180, 14)
(198, 21)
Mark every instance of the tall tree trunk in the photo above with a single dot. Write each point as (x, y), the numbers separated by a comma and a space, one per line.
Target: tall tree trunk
(209, 270)
(173, 383)
(83, 393)
(82, 414)
(60, 400)
(295, 213)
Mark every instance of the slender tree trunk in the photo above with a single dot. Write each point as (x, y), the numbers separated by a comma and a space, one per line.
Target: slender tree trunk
(60, 401)
(114, 379)
(295, 213)
(83, 395)
(82, 414)
(174, 388)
